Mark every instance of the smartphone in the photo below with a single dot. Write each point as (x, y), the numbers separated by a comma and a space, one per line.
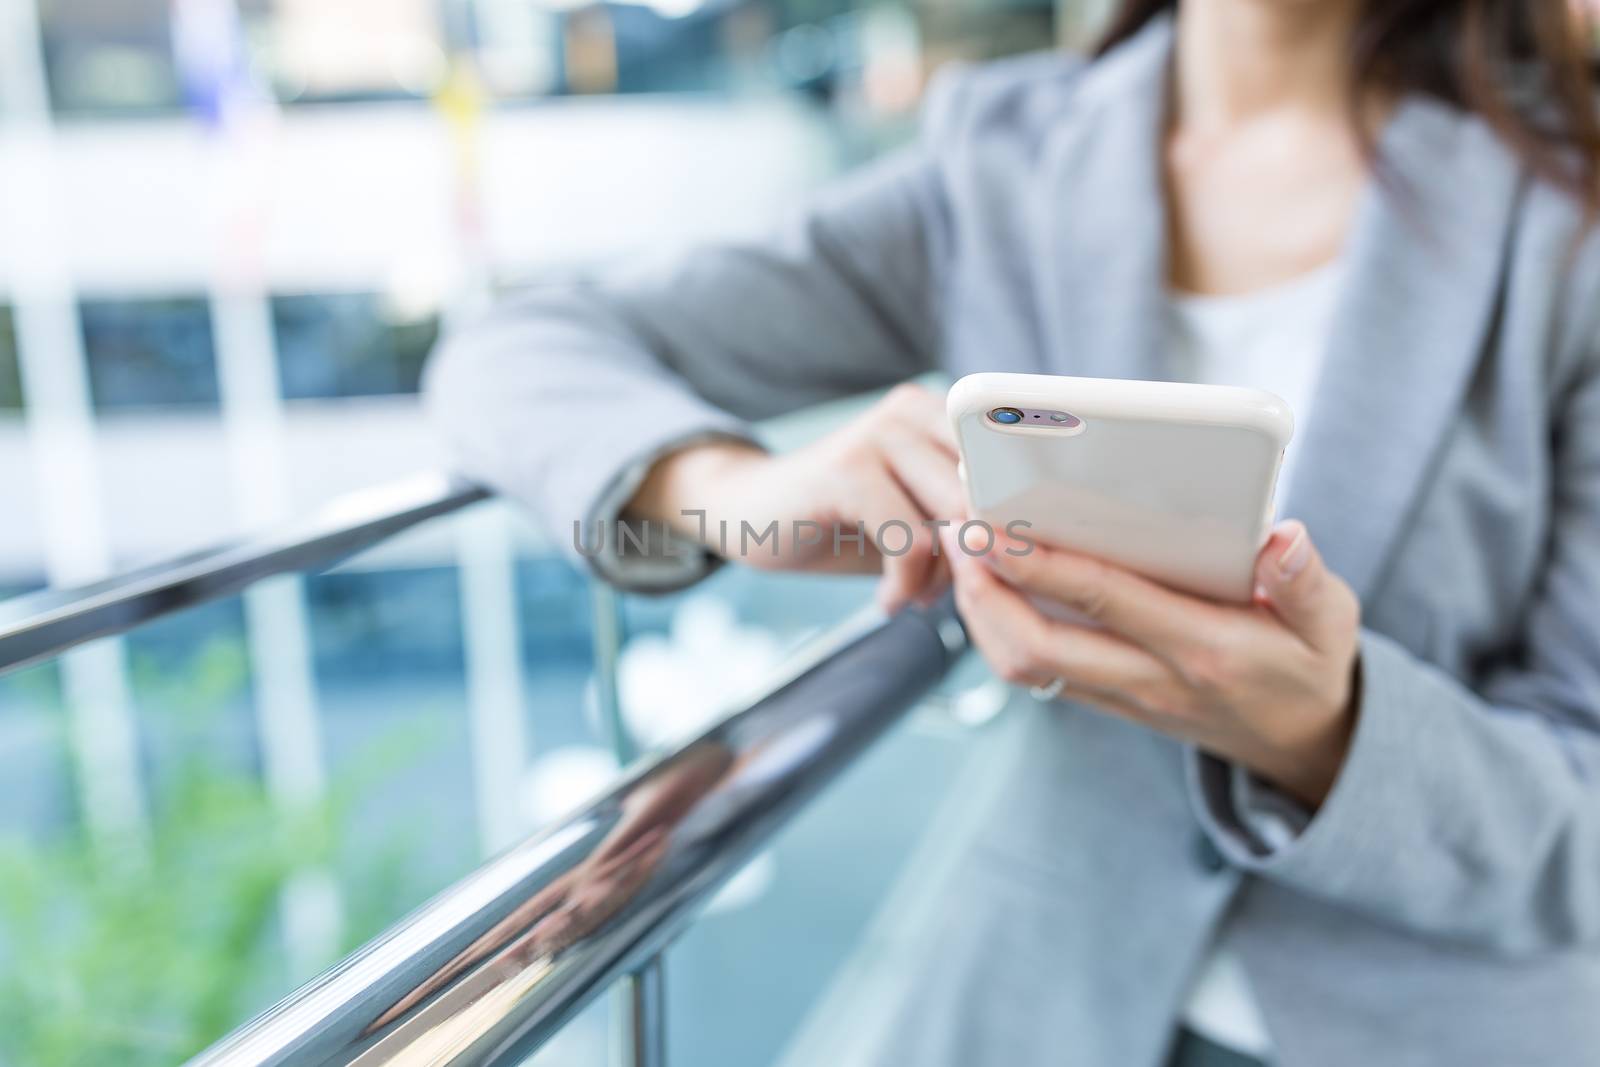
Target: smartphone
(1170, 480)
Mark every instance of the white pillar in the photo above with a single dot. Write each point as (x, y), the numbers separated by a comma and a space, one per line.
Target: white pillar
(61, 437)
(281, 665)
(495, 696)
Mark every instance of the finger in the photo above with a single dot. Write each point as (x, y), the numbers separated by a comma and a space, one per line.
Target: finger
(923, 410)
(890, 516)
(1297, 585)
(1162, 620)
(1108, 702)
(938, 427)
(1026, 647)
(927, 472)
(929, 479)
(639, 846)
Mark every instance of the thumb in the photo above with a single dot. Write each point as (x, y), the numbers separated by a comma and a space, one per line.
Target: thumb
(1293, 581)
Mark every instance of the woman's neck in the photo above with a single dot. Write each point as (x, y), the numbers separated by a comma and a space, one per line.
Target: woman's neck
(1240, 59)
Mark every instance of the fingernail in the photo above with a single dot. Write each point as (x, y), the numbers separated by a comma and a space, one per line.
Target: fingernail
(1296, 556)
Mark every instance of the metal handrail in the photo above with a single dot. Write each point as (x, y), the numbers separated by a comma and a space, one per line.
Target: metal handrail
(493, 967)
(40, 625)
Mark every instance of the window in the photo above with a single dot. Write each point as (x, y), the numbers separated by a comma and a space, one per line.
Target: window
(351, 344)
(372, 625)
(149, 353)
(109, 57)
(341, 50)
(10, 376)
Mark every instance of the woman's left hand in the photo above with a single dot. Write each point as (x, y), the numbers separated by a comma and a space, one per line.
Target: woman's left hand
(1269, 685)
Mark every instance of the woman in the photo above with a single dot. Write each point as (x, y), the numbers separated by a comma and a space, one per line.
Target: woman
(1357, 821)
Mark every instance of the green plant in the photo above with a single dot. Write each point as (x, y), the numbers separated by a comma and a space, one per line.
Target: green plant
(129, 954)
(134, 956)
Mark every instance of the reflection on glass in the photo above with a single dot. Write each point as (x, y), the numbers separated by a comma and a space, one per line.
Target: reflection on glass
(35, 782)
(149, 353)
(151, 961)
(349, 344)
(370, 623)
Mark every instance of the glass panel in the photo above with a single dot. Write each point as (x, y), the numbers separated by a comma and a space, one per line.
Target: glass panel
(152, 941)
(144, 954)
(388, 665)
(583, 1041)
(145, 353)
(35, 771)
(350, 344)
(743, 981)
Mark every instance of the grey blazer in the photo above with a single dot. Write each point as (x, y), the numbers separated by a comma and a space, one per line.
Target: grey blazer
(1443, 906)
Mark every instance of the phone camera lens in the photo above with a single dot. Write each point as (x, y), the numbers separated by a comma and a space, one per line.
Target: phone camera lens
(1006, 416)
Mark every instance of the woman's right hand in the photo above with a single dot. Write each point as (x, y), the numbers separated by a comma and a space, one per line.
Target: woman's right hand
(894, 464)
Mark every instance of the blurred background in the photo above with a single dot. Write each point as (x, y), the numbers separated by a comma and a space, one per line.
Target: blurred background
(230, 231)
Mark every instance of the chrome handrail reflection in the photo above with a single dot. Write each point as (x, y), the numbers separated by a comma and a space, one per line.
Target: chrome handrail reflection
(39, 625)
(491, 969)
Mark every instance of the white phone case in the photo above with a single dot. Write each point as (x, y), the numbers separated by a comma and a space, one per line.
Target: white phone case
(1173, 481)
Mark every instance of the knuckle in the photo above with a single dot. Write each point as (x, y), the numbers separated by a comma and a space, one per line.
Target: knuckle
(906, 396)
(1348, 605)
(1142, 712)
(1089, 594)
(1020, 569)
(977, 592)
(1150, 698)
(969, 600)
(1032, 657)
(850, 449)
(1015, 663)
(1213, 666)
(1166, 706)
(1012, 668)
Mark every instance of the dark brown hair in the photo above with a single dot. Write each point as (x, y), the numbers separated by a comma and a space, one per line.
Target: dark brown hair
(1523, 65)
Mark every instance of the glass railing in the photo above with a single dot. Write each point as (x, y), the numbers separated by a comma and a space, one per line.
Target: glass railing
(228, 772)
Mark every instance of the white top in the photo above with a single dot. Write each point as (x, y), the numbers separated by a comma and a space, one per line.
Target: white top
(1273, 339)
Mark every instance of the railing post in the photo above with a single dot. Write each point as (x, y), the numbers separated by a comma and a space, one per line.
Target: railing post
(639, 1032)
(606, 623)
(638, 1003)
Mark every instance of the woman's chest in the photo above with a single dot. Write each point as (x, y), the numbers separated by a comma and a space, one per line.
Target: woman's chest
(1436, 505)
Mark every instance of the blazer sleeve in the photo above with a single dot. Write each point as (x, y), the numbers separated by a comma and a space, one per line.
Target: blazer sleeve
(562, 399)
(1469, 814)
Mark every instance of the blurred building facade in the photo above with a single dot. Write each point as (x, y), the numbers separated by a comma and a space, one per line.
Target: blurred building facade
(229, 234)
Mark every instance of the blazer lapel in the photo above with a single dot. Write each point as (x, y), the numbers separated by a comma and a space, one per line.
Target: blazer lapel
(1422, 272)
(1104, 271)
(1422, 283)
